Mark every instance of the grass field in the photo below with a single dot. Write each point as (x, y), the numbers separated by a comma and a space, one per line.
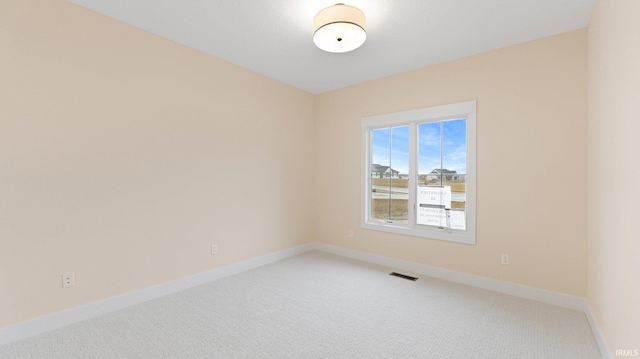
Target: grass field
(399, 207)
(404, 183)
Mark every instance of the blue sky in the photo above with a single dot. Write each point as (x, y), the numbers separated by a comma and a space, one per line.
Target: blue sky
(429, 135)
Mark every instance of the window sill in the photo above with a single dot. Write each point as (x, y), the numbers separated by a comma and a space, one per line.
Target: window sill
(424, 232)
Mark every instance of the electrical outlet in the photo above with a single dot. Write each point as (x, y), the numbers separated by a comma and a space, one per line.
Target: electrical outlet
(68, 280)
(350, 233)
(214, 249)
(505, 258)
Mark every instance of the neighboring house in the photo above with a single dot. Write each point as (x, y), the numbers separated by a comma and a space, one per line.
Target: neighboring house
(445, 174)
(383, 171)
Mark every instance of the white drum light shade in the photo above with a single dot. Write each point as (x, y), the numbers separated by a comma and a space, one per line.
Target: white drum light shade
(339, 28)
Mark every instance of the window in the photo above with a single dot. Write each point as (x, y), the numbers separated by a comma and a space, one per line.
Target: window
(418, 172)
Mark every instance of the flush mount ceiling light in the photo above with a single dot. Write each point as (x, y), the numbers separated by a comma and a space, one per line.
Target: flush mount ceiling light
(339, 28)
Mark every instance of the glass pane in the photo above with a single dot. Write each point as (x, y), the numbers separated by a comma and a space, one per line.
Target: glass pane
(399, 173)
(389, 174)
(442, 159)
(380, 162)
(429, 158)
(454, 160)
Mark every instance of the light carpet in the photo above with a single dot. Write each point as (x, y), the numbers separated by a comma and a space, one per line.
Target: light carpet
(318, 305)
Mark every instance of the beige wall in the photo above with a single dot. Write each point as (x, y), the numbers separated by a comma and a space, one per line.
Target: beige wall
(614, 171)
(124, 156)
(531, 159)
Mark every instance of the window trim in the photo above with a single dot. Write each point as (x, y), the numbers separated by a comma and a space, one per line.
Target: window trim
(412, 118)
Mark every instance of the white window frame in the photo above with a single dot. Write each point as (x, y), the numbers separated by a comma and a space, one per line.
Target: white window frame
(412, 118)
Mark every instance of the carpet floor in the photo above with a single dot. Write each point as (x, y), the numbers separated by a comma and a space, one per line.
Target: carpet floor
(318, 305)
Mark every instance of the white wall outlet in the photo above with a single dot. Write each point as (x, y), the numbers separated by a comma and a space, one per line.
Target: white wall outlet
(350, 233)
(505, 258)
(68, 280)
(214, 249)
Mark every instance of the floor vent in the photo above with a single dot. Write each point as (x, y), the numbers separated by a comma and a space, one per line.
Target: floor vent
(404, 276)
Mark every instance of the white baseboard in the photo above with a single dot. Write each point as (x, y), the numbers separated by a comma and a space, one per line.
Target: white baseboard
(63, 318)
(602, 343)
(66, 317)
(541, 295)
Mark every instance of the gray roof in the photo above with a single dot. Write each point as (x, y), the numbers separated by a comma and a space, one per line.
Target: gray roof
(444, 170)
(378, 168)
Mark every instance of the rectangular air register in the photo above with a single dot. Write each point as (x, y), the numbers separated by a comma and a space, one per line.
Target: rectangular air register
(404, 276)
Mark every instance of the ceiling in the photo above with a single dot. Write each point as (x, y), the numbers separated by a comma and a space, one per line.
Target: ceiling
(273, 37)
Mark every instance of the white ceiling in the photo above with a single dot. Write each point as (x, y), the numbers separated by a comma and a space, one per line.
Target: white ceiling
(273, 37)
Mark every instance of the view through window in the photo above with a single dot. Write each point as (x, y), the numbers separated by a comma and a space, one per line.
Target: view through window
(418, 179)
(442, 154)
(442, 167)
(389, 174)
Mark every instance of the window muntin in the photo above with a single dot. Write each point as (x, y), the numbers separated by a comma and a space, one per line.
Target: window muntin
(426, 150)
